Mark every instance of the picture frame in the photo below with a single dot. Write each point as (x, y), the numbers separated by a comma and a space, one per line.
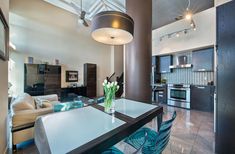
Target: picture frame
(71, 76)
(4, 37)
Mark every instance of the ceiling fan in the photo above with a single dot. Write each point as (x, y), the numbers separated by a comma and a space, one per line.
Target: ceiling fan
(80, 11)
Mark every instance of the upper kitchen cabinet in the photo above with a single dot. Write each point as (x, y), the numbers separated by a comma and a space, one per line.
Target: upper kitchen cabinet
(203, 60)
(154, 60)
(165, 63)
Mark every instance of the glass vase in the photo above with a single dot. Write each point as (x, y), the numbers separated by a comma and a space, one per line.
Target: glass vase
(109, 106)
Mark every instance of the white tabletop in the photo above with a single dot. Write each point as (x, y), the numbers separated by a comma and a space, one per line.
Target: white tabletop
(66, 131)
(131, 108)
(63, 132)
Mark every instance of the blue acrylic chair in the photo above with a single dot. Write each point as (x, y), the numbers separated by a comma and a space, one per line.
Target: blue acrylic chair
(112, 150)
(147, 141)
(155, 142)
(100, 100)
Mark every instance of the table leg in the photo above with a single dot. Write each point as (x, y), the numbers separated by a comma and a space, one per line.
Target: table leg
(159, 121)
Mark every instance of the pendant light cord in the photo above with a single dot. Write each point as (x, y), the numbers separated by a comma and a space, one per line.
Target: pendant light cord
(189, 3)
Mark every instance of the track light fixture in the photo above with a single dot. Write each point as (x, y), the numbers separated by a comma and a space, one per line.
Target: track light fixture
(179, 32)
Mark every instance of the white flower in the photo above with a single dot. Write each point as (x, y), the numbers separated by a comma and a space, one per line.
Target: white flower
(105, 81)
(112, 84)
(103, 84)
(117, 87)
(108, 86)
(115, 83)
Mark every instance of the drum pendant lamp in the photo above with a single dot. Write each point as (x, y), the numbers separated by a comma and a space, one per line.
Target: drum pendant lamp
(112, 27)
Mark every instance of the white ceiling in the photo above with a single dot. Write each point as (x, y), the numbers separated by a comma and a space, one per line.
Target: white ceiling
(92, 7)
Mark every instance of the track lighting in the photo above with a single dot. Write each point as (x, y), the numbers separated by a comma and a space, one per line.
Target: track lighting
(179, 32)
(188, 16)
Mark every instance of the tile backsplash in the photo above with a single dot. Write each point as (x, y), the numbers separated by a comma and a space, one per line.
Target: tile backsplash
(186, 75)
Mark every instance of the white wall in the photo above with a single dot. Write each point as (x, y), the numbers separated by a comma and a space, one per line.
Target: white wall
(203, 36)
(117, 65)
(16, 73)
(4, 4)
(220, 2)
(46, 33)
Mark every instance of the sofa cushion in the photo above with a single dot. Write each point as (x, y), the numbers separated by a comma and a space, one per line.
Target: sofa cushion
(50, 98)
(39, 102)
(47, 105)
(28, 116)
(23, 102)
(43, 103)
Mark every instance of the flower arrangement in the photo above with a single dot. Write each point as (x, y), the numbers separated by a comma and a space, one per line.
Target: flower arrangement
(110, 88)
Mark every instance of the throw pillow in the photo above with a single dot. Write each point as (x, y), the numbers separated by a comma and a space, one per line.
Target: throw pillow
(40, 102)
(23, 102)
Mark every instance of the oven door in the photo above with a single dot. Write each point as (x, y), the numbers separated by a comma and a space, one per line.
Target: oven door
(179, 94)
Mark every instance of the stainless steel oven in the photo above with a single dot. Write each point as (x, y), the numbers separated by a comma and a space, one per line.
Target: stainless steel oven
(179, 95)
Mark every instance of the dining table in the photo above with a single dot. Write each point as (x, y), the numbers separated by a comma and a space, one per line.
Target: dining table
(90, 129)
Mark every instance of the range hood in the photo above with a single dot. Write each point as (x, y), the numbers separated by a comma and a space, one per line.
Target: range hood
(181, 62)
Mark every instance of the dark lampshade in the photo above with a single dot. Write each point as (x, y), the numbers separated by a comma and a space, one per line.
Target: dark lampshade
(112, 27)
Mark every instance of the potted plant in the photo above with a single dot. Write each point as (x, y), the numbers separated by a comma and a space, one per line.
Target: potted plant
(110, 89)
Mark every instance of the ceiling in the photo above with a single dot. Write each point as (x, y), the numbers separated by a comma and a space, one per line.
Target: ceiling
(92, 7)
(164, 11)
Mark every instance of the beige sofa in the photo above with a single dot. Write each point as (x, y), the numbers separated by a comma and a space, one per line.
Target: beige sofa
(24, 111)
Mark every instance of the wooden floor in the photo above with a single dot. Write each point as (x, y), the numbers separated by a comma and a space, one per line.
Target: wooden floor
(192, 133)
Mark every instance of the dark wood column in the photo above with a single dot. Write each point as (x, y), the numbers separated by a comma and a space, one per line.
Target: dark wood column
(139, 52)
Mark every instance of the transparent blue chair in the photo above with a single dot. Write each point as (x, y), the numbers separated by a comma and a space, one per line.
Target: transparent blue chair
(112, 150)
(155, 142)
(100, 100)
(148, 141)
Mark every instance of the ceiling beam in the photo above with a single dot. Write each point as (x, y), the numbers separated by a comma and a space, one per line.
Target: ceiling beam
(96, 10)
(115, 6)
(94, 5)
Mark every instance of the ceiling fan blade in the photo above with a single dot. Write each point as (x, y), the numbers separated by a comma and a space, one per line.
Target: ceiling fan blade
(85, 23)
(75, 7)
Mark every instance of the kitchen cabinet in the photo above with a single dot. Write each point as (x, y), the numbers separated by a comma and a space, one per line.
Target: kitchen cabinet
(155, 75)
(202, 98)
(90, 79)
(203, 60)
(160, 93)
(165, 62)
(42, 79)
(70, 93)
(154, 60)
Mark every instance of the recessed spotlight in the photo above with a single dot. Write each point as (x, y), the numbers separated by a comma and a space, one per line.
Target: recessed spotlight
(177, 35)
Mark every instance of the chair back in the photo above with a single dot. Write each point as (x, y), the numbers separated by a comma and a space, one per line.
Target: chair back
(164, 134)
(100, 100)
